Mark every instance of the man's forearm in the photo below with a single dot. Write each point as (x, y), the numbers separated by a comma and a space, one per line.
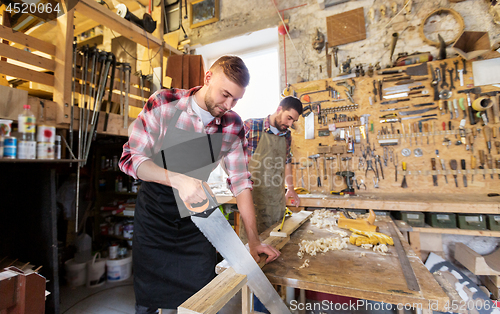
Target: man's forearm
(289, 176)
(149, 171)
(247, 211)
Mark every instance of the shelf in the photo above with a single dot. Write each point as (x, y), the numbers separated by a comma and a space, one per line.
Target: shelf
(108, 18)
(480, 233)
(41, 161)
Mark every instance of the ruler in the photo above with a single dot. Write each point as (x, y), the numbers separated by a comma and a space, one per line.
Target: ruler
(411, 279)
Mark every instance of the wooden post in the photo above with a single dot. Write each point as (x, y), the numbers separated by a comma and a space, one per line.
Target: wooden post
(246, 300)
(415, 243)
(64, 62)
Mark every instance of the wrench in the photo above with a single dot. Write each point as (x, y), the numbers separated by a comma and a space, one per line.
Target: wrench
(451, 79)
(456, 70)
(443, 69)
(461, 76)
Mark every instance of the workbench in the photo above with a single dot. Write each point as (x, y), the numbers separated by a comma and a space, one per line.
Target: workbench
(373, 276)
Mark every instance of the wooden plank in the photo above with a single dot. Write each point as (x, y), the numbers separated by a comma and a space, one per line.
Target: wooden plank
(215, 295)
(291, 224)
(64, 62)
(115, 124)
(26, 40)
(246, 300)
(26, 74)
(27, 57)
(474, 233)
(491, 282)
(12, 101)
(446, 202)
(373, 276)
(476, 263)
(415, 243)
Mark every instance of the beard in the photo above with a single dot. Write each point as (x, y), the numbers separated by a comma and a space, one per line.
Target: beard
(215, 110)
(281, 127)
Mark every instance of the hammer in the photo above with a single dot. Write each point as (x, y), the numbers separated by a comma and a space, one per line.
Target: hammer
(315, 158)
(495, 108)
(475, 90)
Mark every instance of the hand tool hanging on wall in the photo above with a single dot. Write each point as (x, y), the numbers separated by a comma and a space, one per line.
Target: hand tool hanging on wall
(489, 160)
(453, 166)
(452, 86)
(110, 92)
(128, 70)
(323, 150)
(404, 185)
(472, 167)
(417, 70)
(498, 166)
(443, 76)
(73, 95)
(477, 91)
(487, 138)
(482, 161)
(315, 158)
(434, 176)
(94, 53)
(83, 95)
(443, 166)
(106, 59)
(462, 163)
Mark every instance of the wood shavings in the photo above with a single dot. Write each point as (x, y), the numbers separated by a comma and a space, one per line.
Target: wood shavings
(305, 264)
(341, 233)
(321, 246)
(366, 246)
(310, 231)
(381, 248)
(362, 254)
(324, 218)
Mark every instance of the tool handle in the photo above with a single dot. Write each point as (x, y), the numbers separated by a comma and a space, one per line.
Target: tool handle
(487, 133)
(319, 181)
(444, 126)
(404, 165)
(490, 161)
(472, 120)
(443, 164)
(481, 157)
(203, 205)
(420, 126)
(461, 104)
(472, 162)
(462, 163)
(433, 163)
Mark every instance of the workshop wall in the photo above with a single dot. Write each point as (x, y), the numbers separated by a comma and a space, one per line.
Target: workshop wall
(303, 62)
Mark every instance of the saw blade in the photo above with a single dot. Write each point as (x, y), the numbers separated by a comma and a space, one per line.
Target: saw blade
(419, 111)
(219, 232)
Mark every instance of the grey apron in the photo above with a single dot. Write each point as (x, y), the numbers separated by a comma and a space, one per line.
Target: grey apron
(267, 167)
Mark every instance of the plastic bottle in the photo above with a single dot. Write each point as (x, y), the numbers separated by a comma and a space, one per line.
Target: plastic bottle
(57, 147)
(26, 127)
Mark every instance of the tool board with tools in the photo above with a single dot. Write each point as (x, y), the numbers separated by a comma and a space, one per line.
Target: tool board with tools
(116, 102)
(406, 129)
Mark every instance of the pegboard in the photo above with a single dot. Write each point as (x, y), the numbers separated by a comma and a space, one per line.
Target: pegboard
(419, 172)
(346, 27)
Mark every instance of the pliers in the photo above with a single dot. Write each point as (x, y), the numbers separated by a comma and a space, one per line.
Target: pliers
(369, 166)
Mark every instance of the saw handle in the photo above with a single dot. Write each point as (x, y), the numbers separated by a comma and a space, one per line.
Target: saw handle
(203, 205)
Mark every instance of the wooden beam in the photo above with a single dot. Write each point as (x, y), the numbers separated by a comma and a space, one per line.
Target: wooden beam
(26, 74)
(476, 263)
(27, 57)
(109, 19)
(211, 298)
(64, 62)
(26, 40)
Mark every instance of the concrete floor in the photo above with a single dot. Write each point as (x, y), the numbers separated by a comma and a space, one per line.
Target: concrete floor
(110, 298)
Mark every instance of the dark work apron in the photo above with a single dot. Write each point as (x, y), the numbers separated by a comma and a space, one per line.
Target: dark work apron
(172, 259)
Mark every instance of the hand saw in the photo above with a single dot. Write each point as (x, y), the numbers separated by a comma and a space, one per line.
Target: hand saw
(219, 232)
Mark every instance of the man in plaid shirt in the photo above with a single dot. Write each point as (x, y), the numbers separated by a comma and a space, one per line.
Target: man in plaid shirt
(177, 139)
(269, 141)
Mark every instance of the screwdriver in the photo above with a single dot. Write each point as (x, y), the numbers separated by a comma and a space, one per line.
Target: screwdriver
(481, 161)
(472, 166)
(409, 131)
(498, 166)
(453, 166)
(434, 176)
(415, 130)
(434, 132)
(490, 164)
(462, 163)
(487, 137)
(426, 129)
(443, 166)
(420, 130)
(403, 184)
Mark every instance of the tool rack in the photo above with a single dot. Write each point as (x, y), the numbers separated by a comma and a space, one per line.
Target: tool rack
(419, 172)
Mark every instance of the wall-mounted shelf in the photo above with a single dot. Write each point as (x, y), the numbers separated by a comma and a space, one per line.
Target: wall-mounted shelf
(41, 161)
